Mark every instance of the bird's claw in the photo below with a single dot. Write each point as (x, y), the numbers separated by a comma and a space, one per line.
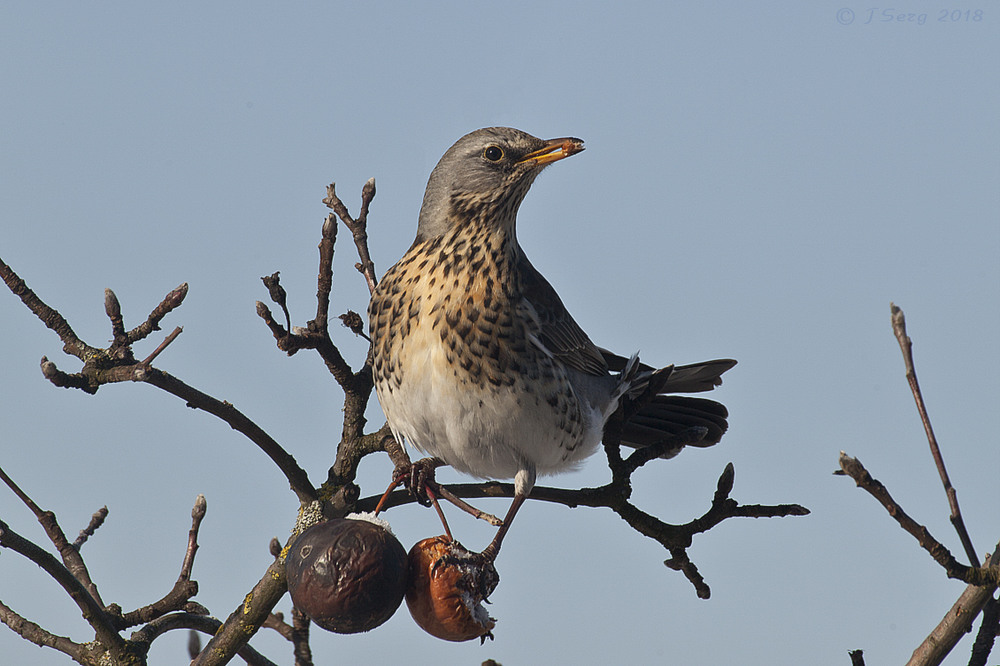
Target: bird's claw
(418, 477)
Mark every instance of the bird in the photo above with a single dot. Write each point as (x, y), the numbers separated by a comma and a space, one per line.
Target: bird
(476, 360)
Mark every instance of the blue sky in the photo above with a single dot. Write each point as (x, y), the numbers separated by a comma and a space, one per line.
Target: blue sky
(760, 181)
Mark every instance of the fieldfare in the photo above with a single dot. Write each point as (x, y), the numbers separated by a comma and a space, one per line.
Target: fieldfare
(476, 360)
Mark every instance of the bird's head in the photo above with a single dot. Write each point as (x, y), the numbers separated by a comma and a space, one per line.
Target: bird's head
(486, 173)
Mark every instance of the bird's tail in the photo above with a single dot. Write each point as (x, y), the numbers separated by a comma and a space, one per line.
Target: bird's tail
(660, 418)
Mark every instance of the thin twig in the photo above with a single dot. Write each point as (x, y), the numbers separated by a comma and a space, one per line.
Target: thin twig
(203, 623)
(96, 520)
(297, 478)
(184, 588)
(69, 553)
(300, 638)
(972, 575)
(324, 281)
(906, 346)
(614, 495)
(93, 612)
(277, 622)
(72, 344)
(358, 227)
(163, 345)
(170, 302)
(31, 631)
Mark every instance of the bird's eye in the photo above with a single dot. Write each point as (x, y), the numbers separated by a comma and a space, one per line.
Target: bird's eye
(493, 153)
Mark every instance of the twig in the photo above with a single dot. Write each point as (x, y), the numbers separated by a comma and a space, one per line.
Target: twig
(93, 612)
(170, 302)
(277, 622)
(30, 631)
(300, 638)
(103, 366)
(71, 343)
(184, 588)
(358, 227)
(614, 495)
(70, 555)
(163, 345)
(906, 346)
(278, 295)
(324, 281)
(983, 645)
(96, 520)
(206, 625)
(297, 478)
(972, 575)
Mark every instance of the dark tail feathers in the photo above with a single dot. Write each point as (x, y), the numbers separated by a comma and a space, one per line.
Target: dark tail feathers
(666, 416)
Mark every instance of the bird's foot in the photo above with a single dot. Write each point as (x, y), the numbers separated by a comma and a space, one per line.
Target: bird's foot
(480, 576)
(418, 477)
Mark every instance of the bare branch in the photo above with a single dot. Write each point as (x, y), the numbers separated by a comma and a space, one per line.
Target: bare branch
(179, 596)
(988, 631)
(163, 345)
(96, 520)
(206, 625)
(70, 555)
(30, 631)
(93, 612)
(71, 343)
(972, 575)
(358, 227)
(906, 346)
(324, 282)
(956, 623)
(169, 303)
(244, 622)
(300, 638)
(614, 495)
(297, 478)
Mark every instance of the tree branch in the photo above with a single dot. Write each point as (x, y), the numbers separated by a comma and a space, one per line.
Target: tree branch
(71, 343)
(69, 553)
(956, 623)
(358, 227)
(179, 596)
(614, 495)
(244, 622)
(298, 480)
(206, 625)
(972, 575)
(906, 346)
(30, 631)
(96, 520)
(93, 612)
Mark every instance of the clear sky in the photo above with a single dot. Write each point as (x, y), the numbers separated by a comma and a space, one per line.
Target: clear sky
(760, 181)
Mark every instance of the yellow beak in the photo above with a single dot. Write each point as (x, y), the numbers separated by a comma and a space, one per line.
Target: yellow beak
(554, 150)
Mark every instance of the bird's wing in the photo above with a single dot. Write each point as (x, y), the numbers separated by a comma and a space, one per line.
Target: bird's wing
(556, 332)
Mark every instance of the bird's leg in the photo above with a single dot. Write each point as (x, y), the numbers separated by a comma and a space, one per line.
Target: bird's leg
(492, 550)
(440, 513)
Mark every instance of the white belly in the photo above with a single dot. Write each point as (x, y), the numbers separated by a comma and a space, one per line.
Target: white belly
(488, 431)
